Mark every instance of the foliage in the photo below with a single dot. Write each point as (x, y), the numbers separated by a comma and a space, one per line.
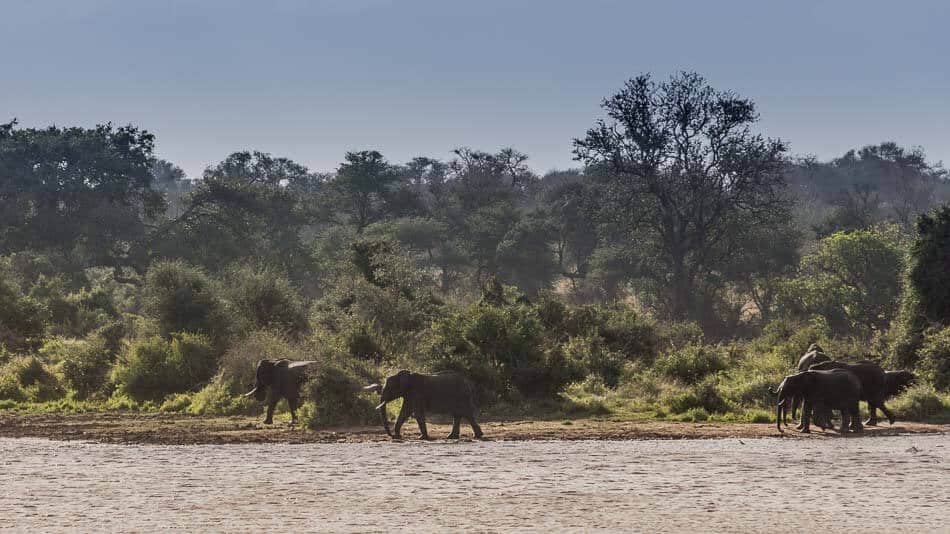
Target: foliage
(156, 367)
(85, 193)
(21, 317)
(852, 280)
(692, 363)
(682, 179)
(926, 287)
(85, 366)
(183, 299)
(335, 397)
(27, 379)
(934, 357)
(266, 300)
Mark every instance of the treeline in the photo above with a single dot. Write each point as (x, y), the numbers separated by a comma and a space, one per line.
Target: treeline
(682, 234)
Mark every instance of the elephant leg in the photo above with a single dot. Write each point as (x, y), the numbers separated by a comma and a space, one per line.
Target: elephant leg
(872, 414)
(292, 403)
(796, 404)
(856, 420)
(806, 418)
(403, 415)
(269, 420)
(421, 421)
(475, 427)
(455, 428)
(845, 422)
(887, 413)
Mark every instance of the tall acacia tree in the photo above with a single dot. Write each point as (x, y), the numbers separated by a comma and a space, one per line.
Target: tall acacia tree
(684, 176)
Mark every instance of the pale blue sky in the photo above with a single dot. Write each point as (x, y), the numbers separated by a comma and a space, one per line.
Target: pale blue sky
(312, 79)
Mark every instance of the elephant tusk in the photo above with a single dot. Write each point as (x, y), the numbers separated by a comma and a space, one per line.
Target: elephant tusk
(380, 406)
(373, 387)
(251, 392)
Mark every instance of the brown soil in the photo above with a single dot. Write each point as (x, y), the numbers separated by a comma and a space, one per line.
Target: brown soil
(174, 429)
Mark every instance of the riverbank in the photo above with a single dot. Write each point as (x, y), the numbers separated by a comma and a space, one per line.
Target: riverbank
(176, 429)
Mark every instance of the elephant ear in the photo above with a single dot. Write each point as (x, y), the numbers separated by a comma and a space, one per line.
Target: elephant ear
(404, 380)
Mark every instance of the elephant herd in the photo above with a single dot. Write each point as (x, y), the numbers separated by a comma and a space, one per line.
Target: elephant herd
(823, 385)
(447, 392)
(820, 387)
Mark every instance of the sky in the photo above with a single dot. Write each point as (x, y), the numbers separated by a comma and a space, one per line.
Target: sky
(310, 80)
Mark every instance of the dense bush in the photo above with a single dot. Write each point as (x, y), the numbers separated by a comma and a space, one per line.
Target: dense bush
(21, 317)
(156, 367)
(183, 299)
(692, 363)
(334, 396)
(934, 357)
(266, 300)
(27, 379)
(922, 403)
(85, 368)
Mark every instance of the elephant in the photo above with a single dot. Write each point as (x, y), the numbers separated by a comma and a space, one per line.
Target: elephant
(284, 377)
(445, 392)
(873, 388)
(895, 382)
(836, 389)
(814, 354)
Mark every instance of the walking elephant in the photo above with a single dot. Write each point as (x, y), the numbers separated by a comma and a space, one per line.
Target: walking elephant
(284, 378)
(836, 389)
(447, 392)
(814, 354)
(873, 385)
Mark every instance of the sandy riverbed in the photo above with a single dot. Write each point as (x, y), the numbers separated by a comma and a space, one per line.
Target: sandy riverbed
(875, 483)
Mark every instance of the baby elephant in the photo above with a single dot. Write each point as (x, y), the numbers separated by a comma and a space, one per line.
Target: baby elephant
(446, 392)
(284, 377)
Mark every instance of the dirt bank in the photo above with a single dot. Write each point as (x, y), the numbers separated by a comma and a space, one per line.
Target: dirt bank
(166, 429)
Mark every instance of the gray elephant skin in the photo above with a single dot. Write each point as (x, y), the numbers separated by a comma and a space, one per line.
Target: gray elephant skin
(814, 354)
(447, 392)
(873, 385)
(284, 378)
(837, 389)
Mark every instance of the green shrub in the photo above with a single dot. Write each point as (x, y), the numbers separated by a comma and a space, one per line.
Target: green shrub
(934, 357)
(266, 300)
(218, 398)
(27, 379)
(594, 358)
(703, 396)
(692, 363)
(361, 343)
(335, 397)
(21, 317)
(156, 367)
(182, 299)
(922, 403)
(85, 369)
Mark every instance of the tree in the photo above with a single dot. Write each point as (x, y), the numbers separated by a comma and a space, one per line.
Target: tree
(362, 184)
(171, 180)
(852, 280)
(525, 255)
(925, 302)
(85, 194)
(248, 206)
(684, 177)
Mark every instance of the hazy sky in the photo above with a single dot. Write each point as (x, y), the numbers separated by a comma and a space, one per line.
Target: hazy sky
(312, 79)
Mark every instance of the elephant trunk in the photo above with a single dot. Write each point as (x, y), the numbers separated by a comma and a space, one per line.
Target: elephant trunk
(384, 419)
